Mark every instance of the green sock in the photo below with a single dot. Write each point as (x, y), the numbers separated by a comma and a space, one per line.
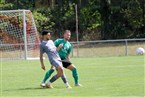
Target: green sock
(47, 75)
(75, 75)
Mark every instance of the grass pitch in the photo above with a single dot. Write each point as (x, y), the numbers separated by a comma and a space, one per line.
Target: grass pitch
(100, 76)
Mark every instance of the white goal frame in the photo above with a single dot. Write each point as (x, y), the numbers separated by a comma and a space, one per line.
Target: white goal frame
(25, 54)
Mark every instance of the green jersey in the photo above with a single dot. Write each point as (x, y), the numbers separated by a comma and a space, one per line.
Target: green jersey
(65, 50)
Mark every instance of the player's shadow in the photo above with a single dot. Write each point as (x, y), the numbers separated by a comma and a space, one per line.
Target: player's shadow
(21, 89)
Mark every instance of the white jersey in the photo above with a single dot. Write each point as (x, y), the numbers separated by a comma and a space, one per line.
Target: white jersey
(49, 48)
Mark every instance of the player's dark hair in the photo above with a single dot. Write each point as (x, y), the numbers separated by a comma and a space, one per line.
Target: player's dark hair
(45, 32)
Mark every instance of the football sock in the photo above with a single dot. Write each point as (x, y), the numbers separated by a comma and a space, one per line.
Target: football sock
(47, 75)
(63, 77)
(75, 75)
(54, 78)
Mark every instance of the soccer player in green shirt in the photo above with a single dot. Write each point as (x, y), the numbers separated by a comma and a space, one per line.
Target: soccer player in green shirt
(64, 49)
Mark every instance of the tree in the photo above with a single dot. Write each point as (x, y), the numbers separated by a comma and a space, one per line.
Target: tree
(105, 17)
(98, 19)
(133, 16)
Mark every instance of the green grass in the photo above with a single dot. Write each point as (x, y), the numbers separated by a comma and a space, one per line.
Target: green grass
(100, 76)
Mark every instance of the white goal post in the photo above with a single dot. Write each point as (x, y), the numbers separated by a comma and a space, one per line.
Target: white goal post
(19, 38)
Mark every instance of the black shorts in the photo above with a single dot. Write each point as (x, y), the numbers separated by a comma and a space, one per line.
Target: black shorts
(66, 63)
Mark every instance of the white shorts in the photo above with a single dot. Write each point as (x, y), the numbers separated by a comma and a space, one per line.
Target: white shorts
(56, 63)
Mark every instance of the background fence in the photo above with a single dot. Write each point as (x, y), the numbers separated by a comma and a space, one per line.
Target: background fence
(99, 48)
(121, 47)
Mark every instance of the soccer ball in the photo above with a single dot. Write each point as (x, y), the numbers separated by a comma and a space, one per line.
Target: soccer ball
(140, 51)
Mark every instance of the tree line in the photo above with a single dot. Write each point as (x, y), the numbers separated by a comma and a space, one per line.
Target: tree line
(97, 19)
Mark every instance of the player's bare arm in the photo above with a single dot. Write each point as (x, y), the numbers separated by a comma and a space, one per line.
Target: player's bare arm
(59, 47)
(68, 57)
(41, 61)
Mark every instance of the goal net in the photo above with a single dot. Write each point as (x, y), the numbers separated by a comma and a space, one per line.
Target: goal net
(18, 35)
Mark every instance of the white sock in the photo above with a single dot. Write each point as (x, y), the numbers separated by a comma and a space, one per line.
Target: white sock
(66, 84)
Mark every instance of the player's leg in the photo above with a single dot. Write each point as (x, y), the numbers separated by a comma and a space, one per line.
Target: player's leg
(64, 79)
(74, 74)
(70, 66)
(47, 75)
(60, 73)
(55, 77)
(48, 85)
